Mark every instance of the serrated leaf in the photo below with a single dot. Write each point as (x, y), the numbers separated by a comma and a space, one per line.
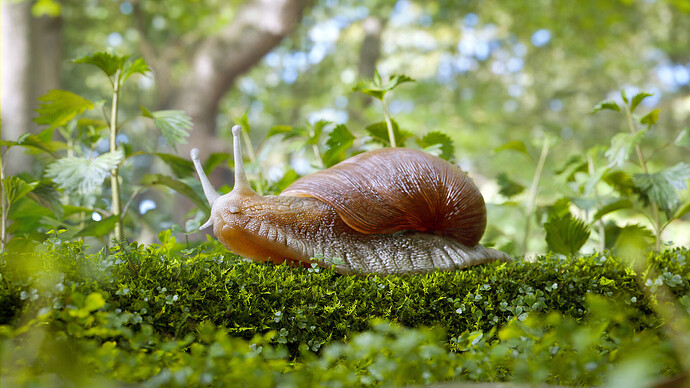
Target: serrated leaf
(16, 188)
(661, 187)
(58, 107)
(607, 104)
(81, 175)
(30, 140)
(138, 66)
(379, 133)
(177, 185)
(98, 228)
(440, 139)
(513, 145)
(621, 146)
(683, 138)
(621, 203)
(621, 181)
(560, 208)
(638, 99)
(508, 187)
(173, 124)
(318, 130)
(377, 89)
(47, 195)
(180, 167)
(105, 61)
(339, 140)
(650, 118)
(566, 235)
(633, 242)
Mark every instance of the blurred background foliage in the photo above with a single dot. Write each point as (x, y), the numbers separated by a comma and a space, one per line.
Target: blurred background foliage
(487, 73)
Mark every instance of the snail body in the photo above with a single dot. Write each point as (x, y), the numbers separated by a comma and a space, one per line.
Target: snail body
(388, 211)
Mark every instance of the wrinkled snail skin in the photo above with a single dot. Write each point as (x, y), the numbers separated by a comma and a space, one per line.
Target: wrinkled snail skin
(346, 212)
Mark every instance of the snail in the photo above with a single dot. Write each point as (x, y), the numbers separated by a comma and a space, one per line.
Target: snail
(386, 211)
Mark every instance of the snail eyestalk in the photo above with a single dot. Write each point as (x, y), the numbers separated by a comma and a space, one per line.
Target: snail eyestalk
(209, 191)
(241, 182)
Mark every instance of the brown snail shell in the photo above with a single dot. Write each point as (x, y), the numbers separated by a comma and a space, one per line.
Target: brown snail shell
(394, 189)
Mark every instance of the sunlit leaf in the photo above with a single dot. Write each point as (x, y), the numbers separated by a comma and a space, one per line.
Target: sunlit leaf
(621, 203)
(377, 89)
(46, 8)
(138, 66)
(638, 99)
(318, 130)
(682, 210)
(513, 145)
(105, 61)
(16, 188)
(173, 124)
(287, 179)
(216, 159)
(683, 138)
(621, 146)
(661, 187)
(621, 181)
(438, 139)
(339, 140)
(179, 166)
(98, 228)
(33, 141)
(508, 187)
(177, 185)
(47, 195)
(650, 118)
(633, 242)
(607, 104)
(58, 107)
(566, 235)
(82, 175)
(379, 133)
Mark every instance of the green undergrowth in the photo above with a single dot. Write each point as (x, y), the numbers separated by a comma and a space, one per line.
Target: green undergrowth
(164, 316)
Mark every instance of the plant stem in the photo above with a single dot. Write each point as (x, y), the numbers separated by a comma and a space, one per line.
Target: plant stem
(387, 115)
(533, 191)
(4, 204)
(655, 209)
(114, 178)
(602, 230)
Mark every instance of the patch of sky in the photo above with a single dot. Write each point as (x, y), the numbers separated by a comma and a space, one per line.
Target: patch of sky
(146, 205)
(402, 14)
(541, 37)
(510, 106)
(126, 8)
(329, 114)
(556, 105)
(272, 59)
(341, 102)
(325, 32)
(515, 91)
(401, 106)
(471, 19)
(425, 20)
(247, 86)
(96, 216)
(114, 39)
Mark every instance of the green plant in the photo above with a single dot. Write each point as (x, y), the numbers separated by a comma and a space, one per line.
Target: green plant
(617, 185)
(70, 189)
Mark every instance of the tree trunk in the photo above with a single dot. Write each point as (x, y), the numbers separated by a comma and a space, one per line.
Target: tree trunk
(15, 80)
(31, 56)
(260, 26)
